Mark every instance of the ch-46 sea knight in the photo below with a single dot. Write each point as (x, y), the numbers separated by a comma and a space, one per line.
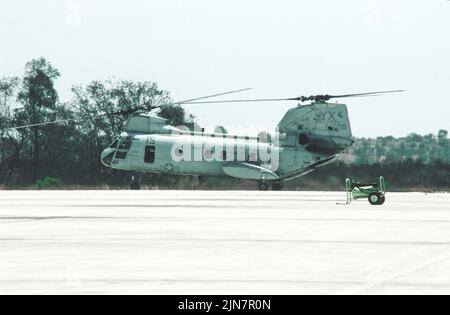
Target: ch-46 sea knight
(309, 136)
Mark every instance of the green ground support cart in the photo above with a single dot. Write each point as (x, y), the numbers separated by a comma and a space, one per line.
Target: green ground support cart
(375, 193)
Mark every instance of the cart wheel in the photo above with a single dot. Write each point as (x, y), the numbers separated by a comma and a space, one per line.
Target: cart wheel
(383, 200)
(375, 199)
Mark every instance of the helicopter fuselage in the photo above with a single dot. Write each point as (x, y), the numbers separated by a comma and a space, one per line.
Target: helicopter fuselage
(207, 156)
(307, 137)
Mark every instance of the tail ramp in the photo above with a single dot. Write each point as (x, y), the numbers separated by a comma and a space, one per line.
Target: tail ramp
(320, 128)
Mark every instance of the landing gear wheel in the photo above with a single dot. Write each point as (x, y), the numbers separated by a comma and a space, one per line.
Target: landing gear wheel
(135, 184)
(196, 182)
(376, 199)
(277, 186)
(263, 186)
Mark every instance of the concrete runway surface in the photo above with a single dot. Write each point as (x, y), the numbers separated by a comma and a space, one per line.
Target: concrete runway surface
(179, 242)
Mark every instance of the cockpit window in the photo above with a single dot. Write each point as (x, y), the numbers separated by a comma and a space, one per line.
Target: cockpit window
(107, 160)
(125, 144)
(121, 155)
(114, 144)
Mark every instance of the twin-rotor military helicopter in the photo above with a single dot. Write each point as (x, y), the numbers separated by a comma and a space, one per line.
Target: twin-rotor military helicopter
(309, 136)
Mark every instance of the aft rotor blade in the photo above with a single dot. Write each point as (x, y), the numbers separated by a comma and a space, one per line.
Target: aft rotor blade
(316, 98)
(366, 94)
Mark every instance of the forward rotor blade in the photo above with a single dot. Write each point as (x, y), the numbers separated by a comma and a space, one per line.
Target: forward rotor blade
(39, 125)
(209, 96)
(125, 112)
(130, 111)
(247, 101)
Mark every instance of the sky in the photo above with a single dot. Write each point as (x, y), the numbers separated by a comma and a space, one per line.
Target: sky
(282, 48)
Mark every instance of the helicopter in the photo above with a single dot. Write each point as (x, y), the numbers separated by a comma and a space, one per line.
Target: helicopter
(309, 136)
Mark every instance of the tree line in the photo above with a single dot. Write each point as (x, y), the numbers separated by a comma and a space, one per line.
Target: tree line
(70, 151)
(411, 163)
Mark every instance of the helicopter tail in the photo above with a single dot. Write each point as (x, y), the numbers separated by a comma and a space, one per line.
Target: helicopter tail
(320, 127)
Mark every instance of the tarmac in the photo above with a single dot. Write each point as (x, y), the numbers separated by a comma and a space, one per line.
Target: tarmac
(188, 243)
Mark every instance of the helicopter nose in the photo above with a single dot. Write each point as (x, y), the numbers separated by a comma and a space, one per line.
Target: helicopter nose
(107, 156)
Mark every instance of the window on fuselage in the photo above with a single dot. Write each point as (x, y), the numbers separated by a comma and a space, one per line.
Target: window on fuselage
(149, 154)
(303, 139)
(121, 155)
